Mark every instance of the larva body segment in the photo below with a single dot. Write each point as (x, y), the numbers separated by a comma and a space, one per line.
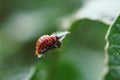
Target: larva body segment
(45, 43)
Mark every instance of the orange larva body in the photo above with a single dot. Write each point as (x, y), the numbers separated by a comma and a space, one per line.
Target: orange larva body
(45, 43)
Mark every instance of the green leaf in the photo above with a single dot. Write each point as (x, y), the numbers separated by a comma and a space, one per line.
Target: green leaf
(99, 10)
(80, 53)
(113, 51)
(84, 48)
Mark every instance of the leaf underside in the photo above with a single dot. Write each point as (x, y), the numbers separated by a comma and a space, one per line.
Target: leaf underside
(113, 51)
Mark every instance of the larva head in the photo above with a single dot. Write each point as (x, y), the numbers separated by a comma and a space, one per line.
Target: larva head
(56, 41)
(61, 35)
(58, 37)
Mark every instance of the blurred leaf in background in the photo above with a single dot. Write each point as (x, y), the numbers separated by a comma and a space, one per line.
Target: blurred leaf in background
(21, 23)
(81, 56)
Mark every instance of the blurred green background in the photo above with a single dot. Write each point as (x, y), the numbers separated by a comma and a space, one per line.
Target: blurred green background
(22, 22)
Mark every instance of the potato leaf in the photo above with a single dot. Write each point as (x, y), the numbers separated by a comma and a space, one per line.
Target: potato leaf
(113, 51)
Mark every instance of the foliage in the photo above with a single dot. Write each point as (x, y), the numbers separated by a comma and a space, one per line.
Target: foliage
(112, 51)
(81, 56)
